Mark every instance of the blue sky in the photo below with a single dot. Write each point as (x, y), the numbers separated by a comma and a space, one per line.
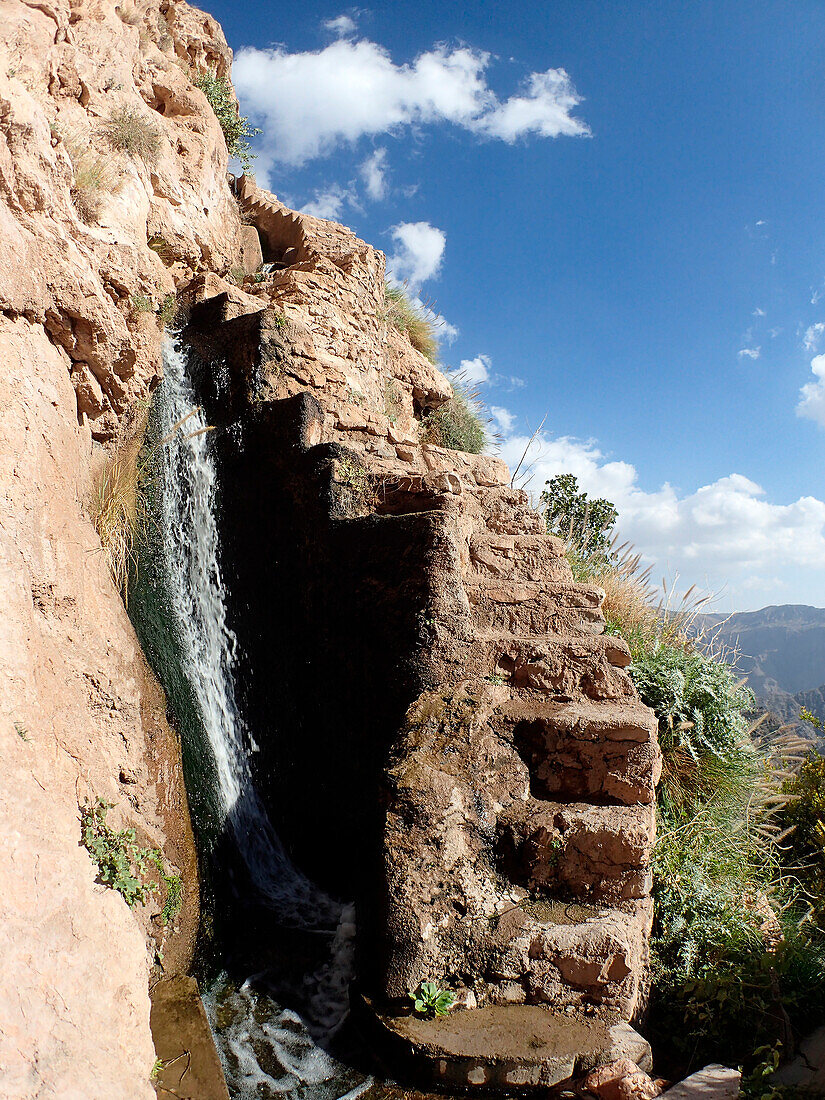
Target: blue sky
(617, 208)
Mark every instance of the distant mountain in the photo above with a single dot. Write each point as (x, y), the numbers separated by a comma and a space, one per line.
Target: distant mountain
(781, 651)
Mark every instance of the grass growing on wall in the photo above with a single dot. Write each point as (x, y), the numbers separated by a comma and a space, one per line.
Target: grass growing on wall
(458, 424)
(411, 320)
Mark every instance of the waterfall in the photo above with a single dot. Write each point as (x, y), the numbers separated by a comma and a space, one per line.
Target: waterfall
(266, 1049)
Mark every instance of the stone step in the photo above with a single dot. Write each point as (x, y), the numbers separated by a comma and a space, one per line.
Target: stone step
(503, 1047)
(503, 605)
(565, 952)
(594, 853)
(560, 667)
(585, 750)
(519, 557)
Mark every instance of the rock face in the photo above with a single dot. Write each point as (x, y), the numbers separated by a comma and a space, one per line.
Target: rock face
(94, 239)
(515, 765)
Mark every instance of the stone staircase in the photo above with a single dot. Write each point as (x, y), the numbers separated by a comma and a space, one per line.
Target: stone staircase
(519, 794)
(546, 763)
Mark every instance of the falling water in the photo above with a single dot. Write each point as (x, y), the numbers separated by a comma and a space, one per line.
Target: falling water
(267, 1050)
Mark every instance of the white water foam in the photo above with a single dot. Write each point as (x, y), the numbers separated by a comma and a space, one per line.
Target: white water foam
(257, 1030)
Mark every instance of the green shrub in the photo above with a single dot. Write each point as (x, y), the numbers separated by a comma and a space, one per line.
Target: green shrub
(236, 129)
(803, 819)
(431, 1000)
(700, 706)
(129, 130)
(457, 424)
(410, 320)
(167, 310)
(570, 514)
(122, 864)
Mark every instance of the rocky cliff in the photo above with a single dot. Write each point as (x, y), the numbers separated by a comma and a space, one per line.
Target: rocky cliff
(82, 275)
(418, 655)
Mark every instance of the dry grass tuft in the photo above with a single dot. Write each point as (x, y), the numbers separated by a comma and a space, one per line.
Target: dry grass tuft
(118, 509)
(411, 320)
(460, 424)
(92, 178)
(129, 130)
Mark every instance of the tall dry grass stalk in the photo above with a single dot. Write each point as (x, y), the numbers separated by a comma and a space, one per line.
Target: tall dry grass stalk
(119, 506)
(92, 180)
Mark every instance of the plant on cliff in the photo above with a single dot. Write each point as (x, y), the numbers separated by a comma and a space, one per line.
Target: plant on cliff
(410, 319)
(118, 508)
(92, 178)
(129, 130)
(431, 1000)
(458, 423)
(122, 864)
(235, 127)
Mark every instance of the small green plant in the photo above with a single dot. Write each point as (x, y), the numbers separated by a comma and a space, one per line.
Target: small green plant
(498, 680)
(129, 130)
(236, 275)
(456, 425)
(431, 1000)
(121, 862)
(393, 400)
(156, 1070)
(357, 485)
(235, 127)
(124, 865)
(410, 319)
(21, 731)
(174, 891)
(167, 310)
(279, 320)
(141, 303)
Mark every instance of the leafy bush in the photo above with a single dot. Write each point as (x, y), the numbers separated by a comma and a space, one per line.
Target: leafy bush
(409, 319)
(129, 130)
(700, 706)
(803, 819)
(431, 1000)
(569, 513)
(236, 129)
(457, 424)
(122, 864)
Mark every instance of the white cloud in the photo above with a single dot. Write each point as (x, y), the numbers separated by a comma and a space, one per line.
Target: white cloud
(813, 334)
(419, 248)
(329, 203)
(749, 353)
(475, 370)
(758, 312)
(311, 103)
(543, 109)
(722, 536)
(504, 418)
(342, 26)
(812, 395)
(374, 174)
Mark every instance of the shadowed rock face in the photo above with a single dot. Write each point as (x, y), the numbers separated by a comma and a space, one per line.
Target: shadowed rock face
(402, 604)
